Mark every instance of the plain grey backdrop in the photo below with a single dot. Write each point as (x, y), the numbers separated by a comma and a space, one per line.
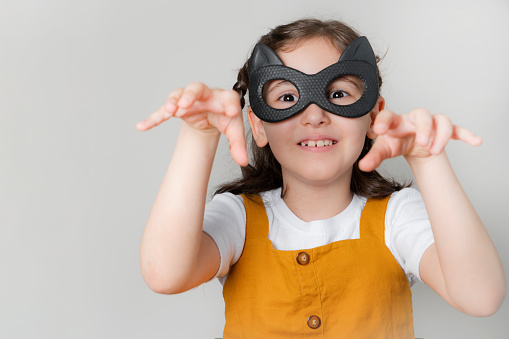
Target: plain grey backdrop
(77, 180)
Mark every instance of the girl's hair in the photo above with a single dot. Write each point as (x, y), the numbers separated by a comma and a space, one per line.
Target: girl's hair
(264, 173)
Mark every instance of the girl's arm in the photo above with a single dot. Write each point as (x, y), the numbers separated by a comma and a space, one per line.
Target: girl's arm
(175, 253)
(463, 265)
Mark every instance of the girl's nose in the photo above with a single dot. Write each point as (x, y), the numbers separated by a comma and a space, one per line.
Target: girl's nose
(314, 116)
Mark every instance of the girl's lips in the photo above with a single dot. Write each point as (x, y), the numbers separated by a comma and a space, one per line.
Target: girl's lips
(316, 137)
(317, 149)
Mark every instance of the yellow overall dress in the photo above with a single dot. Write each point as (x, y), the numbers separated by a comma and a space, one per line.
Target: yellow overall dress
(345, 289)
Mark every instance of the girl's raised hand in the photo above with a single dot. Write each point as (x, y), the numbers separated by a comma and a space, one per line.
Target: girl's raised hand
(208, 111)
(416, 134)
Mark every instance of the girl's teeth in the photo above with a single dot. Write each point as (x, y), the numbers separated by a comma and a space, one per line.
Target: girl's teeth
(317, 143)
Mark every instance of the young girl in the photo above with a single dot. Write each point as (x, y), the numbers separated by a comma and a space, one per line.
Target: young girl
(312, 241)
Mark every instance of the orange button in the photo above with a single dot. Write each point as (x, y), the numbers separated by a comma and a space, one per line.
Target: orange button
(314, 322)
(303, 258)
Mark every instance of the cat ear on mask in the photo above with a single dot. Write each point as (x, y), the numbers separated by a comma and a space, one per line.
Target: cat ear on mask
(263, 56)
(359, 49)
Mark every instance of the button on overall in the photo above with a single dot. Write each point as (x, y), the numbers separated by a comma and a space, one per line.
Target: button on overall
(314, 322)
(303, 258)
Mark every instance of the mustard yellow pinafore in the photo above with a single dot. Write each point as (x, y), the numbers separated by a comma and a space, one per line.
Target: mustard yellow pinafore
(345, 289)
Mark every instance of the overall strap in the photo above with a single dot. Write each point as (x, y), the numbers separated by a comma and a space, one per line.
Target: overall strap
(257, 223)
(372, 224)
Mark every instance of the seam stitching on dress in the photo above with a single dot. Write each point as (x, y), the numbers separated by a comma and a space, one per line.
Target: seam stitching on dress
(319, 291)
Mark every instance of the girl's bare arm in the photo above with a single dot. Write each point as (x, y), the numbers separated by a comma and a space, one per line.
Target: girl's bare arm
(175, 253)
(463, 265)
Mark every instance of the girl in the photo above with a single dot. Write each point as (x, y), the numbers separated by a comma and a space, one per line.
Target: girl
(312, 241)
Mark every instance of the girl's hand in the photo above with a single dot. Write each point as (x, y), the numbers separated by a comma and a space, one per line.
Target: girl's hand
(206, 110)
(416, 134)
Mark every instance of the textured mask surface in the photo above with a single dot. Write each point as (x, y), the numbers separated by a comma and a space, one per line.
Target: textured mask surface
(266, 66)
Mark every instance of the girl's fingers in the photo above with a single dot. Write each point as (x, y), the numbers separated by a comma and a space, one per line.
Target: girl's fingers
(423, 121)
(195, 98)
(463, 134)
(445, 130)
(383, 121)
(443, 133)
(235, 134)
(162, 114)
(429, 132)
(195, 91)
(387, 122)
(231, 103)
(173, 98)
(198, 98)
(223, 102)
(378, 153)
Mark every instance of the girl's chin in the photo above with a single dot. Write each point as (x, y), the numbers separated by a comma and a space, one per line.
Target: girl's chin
(319, 177)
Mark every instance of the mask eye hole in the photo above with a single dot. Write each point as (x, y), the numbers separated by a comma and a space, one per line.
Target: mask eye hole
(345, 90)
(280, 94)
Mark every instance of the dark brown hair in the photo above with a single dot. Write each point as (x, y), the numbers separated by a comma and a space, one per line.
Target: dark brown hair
(264, 172)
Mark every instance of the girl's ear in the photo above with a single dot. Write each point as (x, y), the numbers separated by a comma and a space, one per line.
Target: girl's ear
(379, 106)
(257, 128)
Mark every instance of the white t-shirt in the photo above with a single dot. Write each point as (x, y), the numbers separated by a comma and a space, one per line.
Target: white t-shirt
(407, 228)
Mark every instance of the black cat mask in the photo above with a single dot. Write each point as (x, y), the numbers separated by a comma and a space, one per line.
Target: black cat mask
(348, 88)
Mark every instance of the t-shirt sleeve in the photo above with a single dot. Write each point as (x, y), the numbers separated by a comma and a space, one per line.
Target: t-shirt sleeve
(225, 221)
(408, 230)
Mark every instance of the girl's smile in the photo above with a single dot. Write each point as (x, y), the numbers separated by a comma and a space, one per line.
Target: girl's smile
(317, 143)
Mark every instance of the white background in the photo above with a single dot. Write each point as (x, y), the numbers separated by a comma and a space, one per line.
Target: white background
(77, 180)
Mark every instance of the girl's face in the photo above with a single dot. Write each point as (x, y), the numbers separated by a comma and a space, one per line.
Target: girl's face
(293, 141)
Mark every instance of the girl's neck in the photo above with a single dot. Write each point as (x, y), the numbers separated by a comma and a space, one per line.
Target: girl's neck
(312, 202)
